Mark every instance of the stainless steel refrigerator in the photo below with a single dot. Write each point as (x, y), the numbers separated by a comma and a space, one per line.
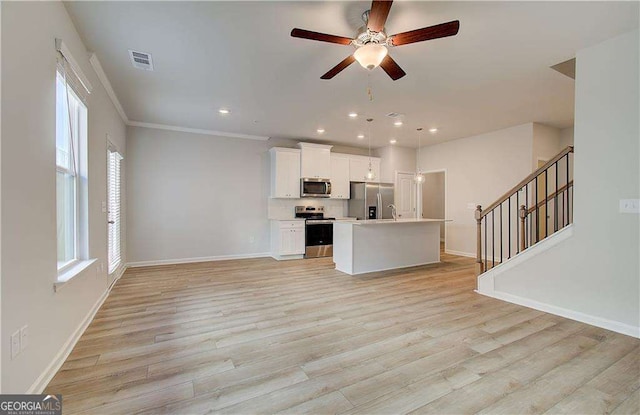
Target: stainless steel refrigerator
(371, 200)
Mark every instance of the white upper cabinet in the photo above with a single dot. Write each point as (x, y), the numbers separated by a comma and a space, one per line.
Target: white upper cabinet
(359, 166)
(340, 188)
(285, 172)
(315, 160)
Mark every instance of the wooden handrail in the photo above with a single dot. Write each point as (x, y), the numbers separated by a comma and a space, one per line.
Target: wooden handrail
(551, 196)
(525, 181)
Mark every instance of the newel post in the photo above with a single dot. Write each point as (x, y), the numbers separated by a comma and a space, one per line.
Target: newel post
(523, 227)
(479, 264)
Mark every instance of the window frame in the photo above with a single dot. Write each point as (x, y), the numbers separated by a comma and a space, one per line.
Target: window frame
(77, 142)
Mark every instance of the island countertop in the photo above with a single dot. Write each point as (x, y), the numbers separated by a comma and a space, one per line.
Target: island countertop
(389, 221)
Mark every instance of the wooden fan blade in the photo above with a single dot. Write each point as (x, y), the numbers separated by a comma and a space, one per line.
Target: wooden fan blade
(426, 33)
(392, 68)
(322, 37)
(339, 67)
(378, 14)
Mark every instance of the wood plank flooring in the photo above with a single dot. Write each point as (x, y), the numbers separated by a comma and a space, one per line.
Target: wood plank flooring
(260, 337)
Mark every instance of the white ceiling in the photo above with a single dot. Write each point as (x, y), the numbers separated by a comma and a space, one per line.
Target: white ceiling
(239, 55)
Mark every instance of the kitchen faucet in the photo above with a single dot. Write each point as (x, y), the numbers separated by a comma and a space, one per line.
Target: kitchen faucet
(393, 211)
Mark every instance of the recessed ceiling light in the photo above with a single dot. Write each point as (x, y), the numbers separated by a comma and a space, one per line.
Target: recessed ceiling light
(353, 114)
(320, 130)
(397, 123)
(393, 141)
(360, 136)
(433, 130)
(224, 111)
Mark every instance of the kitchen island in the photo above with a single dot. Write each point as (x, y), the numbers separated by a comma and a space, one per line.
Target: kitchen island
(361, 246)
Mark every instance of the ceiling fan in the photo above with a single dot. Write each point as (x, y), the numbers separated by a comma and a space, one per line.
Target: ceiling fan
(371, 42)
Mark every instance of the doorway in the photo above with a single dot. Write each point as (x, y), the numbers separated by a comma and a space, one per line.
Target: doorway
(405, 195)
(433, 198)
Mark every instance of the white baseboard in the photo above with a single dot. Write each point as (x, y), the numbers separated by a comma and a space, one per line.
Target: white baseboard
(197, 259)
(460, 253)
(486, 286)
(43, 380)
(604, 323)
(118, 273)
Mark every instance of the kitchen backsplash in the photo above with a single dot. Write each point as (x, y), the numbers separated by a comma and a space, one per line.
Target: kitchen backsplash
(282, 209)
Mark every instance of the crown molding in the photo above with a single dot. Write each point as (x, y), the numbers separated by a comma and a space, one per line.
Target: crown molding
(195, 130)
(97, 67)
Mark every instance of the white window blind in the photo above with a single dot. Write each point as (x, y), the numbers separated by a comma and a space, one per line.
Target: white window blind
(114, 198)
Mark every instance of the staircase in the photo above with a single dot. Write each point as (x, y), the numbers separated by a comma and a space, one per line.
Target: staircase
(534, 209)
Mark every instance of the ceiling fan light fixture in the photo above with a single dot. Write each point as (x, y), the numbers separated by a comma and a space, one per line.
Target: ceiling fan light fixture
(370, 55)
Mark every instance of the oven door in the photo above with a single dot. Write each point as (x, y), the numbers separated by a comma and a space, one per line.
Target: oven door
(315, 188)
(319, 239)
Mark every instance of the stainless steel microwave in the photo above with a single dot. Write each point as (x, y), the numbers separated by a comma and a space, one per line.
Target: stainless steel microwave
(312, 187)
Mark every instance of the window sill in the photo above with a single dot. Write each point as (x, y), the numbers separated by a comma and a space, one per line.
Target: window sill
(69, 274)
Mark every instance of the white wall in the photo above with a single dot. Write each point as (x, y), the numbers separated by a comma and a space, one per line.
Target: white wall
(29, 266)
(595, 274)
(193, 196)
(433, 198)
(479, 170)
(395, 158)
(566, 137)
(546, 143)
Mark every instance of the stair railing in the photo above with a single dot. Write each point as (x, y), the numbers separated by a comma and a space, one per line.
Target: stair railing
(523, 213)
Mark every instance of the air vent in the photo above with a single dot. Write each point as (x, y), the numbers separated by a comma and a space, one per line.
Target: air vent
(141, 60)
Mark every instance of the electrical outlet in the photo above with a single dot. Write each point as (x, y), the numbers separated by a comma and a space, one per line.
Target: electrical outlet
(252, 239)
(104, 207)
(629, 205)
(15, 344)
(24, 337)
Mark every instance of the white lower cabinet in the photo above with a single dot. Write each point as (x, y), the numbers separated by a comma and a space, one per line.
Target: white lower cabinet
(287, 239)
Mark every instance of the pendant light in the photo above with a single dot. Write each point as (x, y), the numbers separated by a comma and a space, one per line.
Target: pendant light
(370, 174)
(418, 177)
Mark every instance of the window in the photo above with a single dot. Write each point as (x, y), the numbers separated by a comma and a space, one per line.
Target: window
(114, 160)
(71, 135)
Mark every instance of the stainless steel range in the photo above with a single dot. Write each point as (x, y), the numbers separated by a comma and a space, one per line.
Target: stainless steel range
(318, 231)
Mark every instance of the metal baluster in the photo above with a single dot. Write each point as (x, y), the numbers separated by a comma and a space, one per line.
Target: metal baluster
(537, 213)
(546, 202)
(509, 224)
(568, 189)
(501, 233)
(518, 227)
(493, 238)
(526, 202)
(486, 246)
(555, 202)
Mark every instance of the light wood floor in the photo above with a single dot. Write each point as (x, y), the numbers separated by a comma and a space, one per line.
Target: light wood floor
(261, 336)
